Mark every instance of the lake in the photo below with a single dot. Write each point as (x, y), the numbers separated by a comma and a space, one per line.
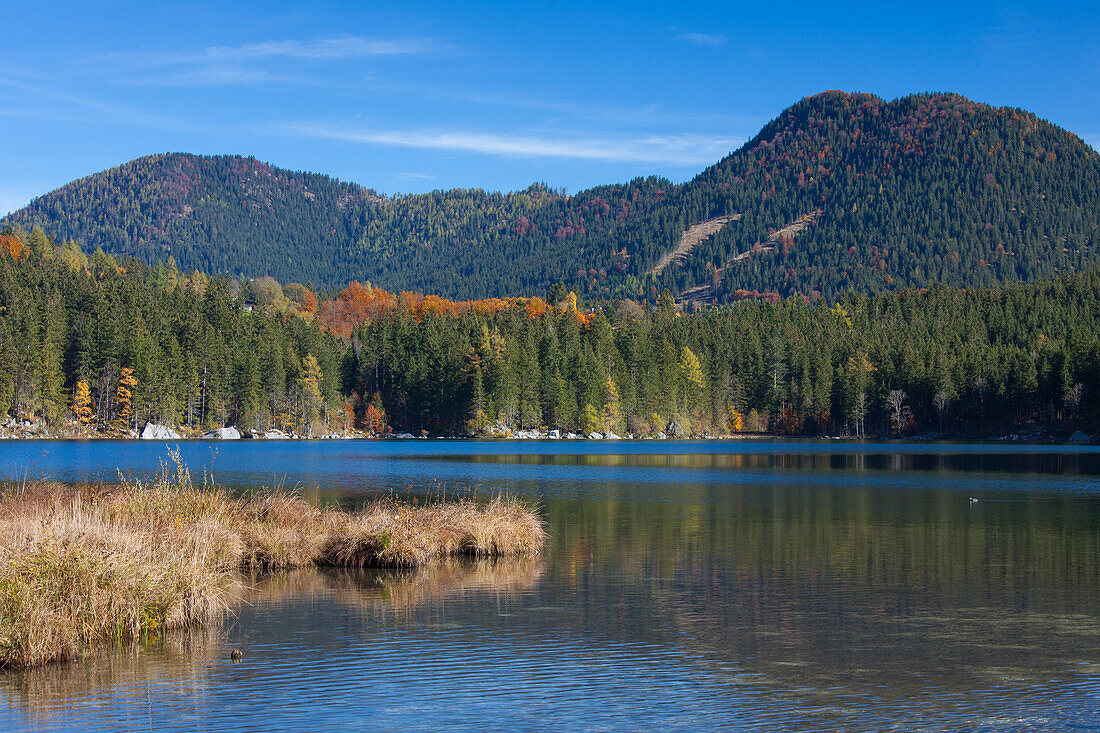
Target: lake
(730, 585)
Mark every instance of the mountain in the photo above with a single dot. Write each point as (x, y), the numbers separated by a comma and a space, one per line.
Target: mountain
(840, 192)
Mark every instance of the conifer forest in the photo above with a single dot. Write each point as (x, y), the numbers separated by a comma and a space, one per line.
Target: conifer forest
(104, 344)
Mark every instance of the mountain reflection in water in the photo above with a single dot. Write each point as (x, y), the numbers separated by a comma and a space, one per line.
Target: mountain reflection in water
(769, 591)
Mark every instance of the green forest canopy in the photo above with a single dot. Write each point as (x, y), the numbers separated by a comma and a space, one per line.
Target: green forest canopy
(206, 351)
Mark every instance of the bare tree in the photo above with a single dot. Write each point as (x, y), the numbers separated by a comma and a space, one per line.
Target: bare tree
(896, 400)
(941, 401)
(1073, 398)
(860, 412)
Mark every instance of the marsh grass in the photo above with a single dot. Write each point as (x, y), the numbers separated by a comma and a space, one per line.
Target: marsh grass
(80, 565)
(179, 664)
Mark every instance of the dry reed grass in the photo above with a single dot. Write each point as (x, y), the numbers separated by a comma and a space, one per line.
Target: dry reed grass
(180, 662)
(80, 564)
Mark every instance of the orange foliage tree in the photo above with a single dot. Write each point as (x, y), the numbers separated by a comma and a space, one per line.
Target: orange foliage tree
(374, 417)
(13, 247)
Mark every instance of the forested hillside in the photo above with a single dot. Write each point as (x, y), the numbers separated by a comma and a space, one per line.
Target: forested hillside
(112, 343)
(841, 192)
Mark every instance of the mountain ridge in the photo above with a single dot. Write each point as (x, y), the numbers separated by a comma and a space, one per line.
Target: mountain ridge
(926, 187)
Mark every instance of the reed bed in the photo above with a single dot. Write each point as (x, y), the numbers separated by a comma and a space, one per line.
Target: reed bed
(80, 565)
(181, 660)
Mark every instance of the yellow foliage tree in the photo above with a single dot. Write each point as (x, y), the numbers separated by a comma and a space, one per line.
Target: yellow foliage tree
(310, 384)
(124, 397)
(693, 370)
(82, 403)
(612, 415)
(735, 422)
(590, 419)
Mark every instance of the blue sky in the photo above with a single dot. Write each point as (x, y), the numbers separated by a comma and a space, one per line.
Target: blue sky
(413, 96)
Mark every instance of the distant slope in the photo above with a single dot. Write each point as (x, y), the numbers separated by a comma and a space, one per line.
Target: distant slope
(925, 187)
(238, 216)
(695, 233)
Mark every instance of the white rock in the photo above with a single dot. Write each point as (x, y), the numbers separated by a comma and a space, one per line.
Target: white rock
(554, 435)
(275, 435)
(595, 436)
(154, 431)
(1080, 437)
(230, 433)
(612, 436)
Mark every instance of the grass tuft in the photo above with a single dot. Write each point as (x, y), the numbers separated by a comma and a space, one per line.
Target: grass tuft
(80, 565)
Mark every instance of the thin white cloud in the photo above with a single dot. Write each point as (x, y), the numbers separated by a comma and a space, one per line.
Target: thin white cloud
(677, 149)
(702, 39)
(341, 47)
(254, 63)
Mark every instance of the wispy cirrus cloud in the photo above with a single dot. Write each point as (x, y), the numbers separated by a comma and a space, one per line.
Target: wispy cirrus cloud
(260, 62)
(340, 47)
(702, 39)
(676, 149)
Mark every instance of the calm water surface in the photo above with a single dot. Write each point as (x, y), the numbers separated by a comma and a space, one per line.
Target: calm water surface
(687, 586)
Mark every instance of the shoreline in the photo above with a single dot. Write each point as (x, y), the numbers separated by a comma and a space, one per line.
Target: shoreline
(1012, 438)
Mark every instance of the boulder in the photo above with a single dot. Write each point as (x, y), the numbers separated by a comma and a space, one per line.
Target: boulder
(230, 433)
(595, 436)
(1080, 437)
(155, 431)
(554, 435)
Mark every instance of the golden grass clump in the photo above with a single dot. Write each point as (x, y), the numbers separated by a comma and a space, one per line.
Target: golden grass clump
(71, 575)
(81, 564)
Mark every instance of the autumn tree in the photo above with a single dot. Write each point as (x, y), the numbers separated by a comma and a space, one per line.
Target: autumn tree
(82, 403)
(124, 397)
(611, 417)
(301, 297)
(374, 417)
(12, 246)
(310, 385)
(590, 419)
(692, 372)
(735, 422)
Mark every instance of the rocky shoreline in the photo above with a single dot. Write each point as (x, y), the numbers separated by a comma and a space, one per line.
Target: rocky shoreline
(14, 429)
